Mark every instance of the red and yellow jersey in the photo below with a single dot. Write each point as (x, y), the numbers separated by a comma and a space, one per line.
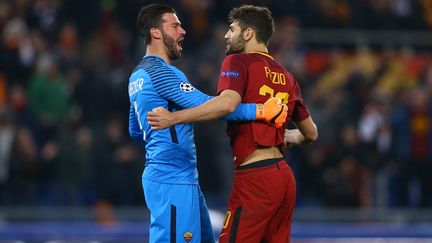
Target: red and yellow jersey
(257, 77)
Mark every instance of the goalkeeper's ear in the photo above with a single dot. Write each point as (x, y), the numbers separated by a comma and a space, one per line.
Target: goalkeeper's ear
(155, 33)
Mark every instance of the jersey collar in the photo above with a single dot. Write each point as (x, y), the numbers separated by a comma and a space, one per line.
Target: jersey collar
(264, 54)
(152, 55)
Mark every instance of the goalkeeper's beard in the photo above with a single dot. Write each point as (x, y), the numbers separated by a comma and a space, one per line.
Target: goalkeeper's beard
(171, 47)
(236, 45)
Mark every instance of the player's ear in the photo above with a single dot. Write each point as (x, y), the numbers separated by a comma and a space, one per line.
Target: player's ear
(248, 34)
(155, 33)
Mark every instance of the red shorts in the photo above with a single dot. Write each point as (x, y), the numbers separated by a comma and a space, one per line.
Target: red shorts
(261, 203)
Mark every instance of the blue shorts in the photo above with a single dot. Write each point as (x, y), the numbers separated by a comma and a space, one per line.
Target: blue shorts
(178, 213)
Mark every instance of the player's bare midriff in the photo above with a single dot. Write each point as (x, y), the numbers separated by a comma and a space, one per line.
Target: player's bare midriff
(262, 154)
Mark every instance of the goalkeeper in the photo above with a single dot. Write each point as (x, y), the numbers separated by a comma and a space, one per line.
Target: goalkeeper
(263, 195)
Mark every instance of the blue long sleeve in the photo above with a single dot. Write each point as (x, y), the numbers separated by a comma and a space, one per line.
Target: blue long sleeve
(167, 83)
(243, 112)
(135, 130)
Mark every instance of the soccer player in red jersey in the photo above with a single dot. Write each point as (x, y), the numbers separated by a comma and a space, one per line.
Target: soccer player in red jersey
(263, 195)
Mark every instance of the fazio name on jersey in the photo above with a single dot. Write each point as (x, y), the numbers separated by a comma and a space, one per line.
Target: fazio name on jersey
(135, 86)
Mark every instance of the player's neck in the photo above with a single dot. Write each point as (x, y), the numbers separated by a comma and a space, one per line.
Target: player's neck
(255, 47)
(154, 50)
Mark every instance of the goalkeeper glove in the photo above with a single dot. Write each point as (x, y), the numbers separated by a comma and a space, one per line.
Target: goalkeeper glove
(272, 112)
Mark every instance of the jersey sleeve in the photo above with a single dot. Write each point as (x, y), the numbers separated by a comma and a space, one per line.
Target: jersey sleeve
(233, 75)
(243, 112)
(134, 128)
(169, 85)
(300, 111)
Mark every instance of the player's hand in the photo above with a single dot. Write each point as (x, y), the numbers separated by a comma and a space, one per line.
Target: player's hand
(272, 112)
(289, 138)
(160, 118)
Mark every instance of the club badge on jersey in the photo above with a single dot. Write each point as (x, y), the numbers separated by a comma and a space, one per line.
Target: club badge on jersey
(187, 236)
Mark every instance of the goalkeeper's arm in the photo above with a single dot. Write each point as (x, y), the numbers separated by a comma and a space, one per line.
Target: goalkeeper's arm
(272, 111)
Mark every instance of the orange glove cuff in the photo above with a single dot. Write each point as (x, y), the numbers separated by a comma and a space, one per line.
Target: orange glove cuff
(260, 112)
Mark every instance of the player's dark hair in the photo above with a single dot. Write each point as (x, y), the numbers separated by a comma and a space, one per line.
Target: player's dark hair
(257, 18)
(150, 16)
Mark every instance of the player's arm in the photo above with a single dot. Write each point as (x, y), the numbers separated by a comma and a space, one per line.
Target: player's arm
(134, 128)
(221, 105)
(305, 133)
(184, 95)
(273, 111)
(202, 107)
(135, 87)
(227, 106)
(214, 108)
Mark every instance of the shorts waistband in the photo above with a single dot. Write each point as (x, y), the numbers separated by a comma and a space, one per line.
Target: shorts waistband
(259, 164)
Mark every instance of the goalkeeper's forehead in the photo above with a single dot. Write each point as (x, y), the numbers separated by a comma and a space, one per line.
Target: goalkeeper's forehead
(170, 19)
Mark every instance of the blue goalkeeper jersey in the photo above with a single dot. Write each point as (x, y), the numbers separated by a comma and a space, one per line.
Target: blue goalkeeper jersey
(170, 153)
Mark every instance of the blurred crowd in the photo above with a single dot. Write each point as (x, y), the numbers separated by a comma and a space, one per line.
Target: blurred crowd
(65, 64)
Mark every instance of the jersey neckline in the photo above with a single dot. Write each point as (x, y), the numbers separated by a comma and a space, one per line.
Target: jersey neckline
(152, 55)
(264, 54)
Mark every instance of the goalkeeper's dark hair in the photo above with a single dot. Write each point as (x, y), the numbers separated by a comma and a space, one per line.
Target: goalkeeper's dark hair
(258, 18)
(150, 16)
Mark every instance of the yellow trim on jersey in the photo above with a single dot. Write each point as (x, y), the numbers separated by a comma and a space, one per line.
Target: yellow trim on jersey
(264, 54)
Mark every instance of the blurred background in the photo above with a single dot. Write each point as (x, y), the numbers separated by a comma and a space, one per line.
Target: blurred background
(70, 173)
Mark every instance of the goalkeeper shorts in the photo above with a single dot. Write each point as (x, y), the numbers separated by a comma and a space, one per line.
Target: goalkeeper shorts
(178, 213)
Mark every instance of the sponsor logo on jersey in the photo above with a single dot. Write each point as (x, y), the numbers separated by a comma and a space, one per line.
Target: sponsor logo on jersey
(231, 73)
(186, 87)
(187, 236)
(135, 86)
